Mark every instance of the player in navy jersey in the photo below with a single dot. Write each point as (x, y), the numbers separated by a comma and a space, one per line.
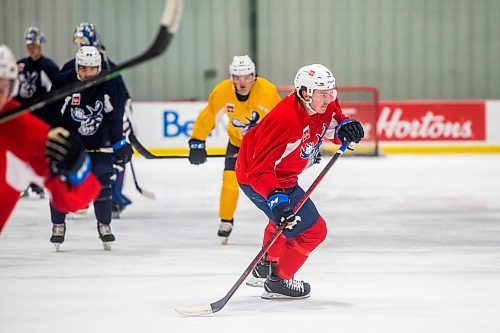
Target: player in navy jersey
(96, 115)
(85, 34)
(36, 73)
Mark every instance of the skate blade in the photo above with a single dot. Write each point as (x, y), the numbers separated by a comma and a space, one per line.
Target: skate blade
(107, 246)
(224, 240)
(280, 297)
(252, 281)
(57, 246)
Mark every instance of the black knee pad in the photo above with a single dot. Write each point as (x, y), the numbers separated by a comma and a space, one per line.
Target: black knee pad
(102, 205)
(231, 155)
(105, 180)
(229, 164)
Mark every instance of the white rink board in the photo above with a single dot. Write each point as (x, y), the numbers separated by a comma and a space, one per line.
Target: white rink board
(168, 125)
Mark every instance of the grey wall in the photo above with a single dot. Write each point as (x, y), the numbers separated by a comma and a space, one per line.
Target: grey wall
(418, 49)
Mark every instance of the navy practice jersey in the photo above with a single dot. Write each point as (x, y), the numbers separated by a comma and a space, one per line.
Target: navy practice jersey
(36, 78)
(95, 114)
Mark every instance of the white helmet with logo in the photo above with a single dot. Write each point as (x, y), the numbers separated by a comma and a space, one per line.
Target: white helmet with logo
(313, 77)
(88, 56)
(8, 69)
(241, 65)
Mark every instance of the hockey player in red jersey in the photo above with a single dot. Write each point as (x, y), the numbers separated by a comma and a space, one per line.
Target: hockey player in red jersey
(30, 152)
(272, 156)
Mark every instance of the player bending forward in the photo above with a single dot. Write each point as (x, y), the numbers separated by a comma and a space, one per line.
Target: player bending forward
(95, 115)
(273, 155)
(29, 152)
(246, 99)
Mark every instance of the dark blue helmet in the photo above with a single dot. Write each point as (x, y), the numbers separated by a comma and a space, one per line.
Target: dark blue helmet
(33, 35)
(85, 35)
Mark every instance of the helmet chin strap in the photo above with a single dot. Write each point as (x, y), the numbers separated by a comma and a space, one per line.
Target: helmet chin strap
(307, 104)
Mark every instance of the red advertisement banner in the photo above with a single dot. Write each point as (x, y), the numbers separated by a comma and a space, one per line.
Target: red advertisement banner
(424, 121)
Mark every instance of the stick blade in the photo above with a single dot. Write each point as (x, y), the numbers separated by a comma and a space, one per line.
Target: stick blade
(194, 311)
(148, 194)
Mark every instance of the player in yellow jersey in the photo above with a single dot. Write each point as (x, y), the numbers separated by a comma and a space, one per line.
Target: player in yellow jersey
(246, 99)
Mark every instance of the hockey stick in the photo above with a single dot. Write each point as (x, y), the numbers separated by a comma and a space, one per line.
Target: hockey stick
(108, 150)
(169, 25)
(149, 155)
(218, 305)
(146, 193)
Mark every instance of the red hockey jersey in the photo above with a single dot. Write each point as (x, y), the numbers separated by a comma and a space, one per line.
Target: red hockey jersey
(274, 153)
(23, 161)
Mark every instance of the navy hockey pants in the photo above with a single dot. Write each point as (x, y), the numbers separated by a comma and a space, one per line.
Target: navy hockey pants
(308, 213)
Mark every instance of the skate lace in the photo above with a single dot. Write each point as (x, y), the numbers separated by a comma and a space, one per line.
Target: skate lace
(294, 285)
(58, 230)
(104, 229)
(225, 226)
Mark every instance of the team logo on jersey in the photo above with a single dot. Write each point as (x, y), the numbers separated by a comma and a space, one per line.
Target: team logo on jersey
(245, 127)
(28, 84)
(20, 67)
(230, 108)
(89, 119)
(310, 150)
(75, 99)
(305, 133)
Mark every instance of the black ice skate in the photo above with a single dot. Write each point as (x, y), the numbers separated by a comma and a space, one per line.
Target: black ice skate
(105, 235)
(277, 288)
(260, 273)
(58, 233)
(225, 228)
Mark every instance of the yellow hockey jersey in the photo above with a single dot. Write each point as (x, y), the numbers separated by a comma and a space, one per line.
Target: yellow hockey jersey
(242, 115)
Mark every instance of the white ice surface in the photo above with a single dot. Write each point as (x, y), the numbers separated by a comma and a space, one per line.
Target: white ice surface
(413, 246)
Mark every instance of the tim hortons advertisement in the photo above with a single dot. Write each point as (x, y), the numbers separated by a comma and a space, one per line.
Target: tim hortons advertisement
(166, 126)
(422, 121)
(432, 121)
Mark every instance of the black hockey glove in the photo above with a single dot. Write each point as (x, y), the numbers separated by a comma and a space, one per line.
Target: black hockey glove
(66, 156)
(123, 151)
(279, 203)
(350, 130)
(197, 152)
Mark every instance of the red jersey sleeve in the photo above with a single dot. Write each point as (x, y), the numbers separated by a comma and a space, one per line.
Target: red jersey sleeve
(24, 139)
(273, 140)
(338, 117)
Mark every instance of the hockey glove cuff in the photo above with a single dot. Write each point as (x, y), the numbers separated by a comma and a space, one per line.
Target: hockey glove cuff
(197, 152)
(123, 151)
(279, 204)
(350, 130)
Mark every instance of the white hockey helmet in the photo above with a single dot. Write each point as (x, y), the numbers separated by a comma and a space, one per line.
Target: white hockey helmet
(8, 69)
(313, 77)
(88, 56)
(241, 65)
